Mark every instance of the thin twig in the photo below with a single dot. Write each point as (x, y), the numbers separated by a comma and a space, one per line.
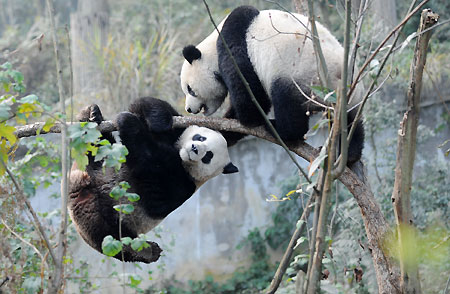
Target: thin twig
(37, 223)
(321, 63)
(381, 45)
(309, 98)
(22, 239)
(398, 28)
(362, 12)
(284, 263)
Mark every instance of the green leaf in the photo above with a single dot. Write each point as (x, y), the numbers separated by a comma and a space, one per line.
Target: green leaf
(17, 76)
(315, 128)
(291, 192)
(4, 110)
(126, 240)
(316, 163)
(104, 142)
(135, 280)
(113, 155)
(111, 246)
(133, 197)
(7, 132)
(330, 97)
(299, 223)
(124, 208)
(139, 243)
(300, 241)
(50, 122)
(320, 91)
(117, 192)
(7, 65)
(125, 185)
(31, 99)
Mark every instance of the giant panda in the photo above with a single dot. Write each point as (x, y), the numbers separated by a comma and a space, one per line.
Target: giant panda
(272, 49)
(164, 166)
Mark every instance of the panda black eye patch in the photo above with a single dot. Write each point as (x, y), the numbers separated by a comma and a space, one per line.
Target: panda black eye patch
(192, 93)
(207, 158)
(198, 137)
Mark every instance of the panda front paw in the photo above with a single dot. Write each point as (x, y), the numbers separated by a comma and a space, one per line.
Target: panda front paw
(146, 255)
(193, 152)
(128, 124)
(91, 113)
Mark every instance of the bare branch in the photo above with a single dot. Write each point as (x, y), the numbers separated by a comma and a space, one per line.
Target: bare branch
(394, 30)
(22, 239)
(398, 28)
(406, 152)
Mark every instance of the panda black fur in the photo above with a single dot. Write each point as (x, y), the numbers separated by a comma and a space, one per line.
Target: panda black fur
(164, 166)
(272, 48)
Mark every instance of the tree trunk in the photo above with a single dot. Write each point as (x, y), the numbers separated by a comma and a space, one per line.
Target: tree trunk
(88, 34)
(385, 17)
(406, 151)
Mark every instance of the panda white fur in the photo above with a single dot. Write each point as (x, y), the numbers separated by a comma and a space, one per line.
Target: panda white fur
(164, 166)
(272, 49)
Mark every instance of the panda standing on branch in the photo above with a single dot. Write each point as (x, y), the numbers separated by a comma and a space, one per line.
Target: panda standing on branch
(274, 52)
(164, 167)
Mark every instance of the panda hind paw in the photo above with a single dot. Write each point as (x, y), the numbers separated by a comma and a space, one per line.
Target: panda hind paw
(91, 113)
(146, 255)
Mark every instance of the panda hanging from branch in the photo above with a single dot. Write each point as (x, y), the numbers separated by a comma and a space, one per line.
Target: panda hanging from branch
(164, 167)
(274, 51)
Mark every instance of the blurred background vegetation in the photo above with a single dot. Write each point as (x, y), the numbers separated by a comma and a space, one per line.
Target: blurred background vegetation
(137, 52)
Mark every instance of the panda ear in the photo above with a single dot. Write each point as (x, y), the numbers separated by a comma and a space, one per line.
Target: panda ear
(230, 168)
(191, 53)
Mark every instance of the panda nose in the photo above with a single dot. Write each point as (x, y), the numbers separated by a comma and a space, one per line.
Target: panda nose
(194, 149)
(189, 110)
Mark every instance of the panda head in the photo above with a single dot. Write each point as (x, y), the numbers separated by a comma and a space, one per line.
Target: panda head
(200, 79)
(204, 154)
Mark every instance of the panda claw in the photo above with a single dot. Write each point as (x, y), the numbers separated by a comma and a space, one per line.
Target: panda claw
(90, 113)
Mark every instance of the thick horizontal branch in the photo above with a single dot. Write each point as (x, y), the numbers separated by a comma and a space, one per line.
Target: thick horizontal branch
(219, 124)
(374, 221)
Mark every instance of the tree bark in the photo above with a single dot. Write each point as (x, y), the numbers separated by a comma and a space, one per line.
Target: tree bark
(57, 278)
(406, 151)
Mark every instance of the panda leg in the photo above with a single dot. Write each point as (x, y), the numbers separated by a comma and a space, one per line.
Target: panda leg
(157, 114)
(133, 135)
(289, 105)
(356, 145)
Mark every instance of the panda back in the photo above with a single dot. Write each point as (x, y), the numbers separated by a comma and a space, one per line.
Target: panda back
(279, 45)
